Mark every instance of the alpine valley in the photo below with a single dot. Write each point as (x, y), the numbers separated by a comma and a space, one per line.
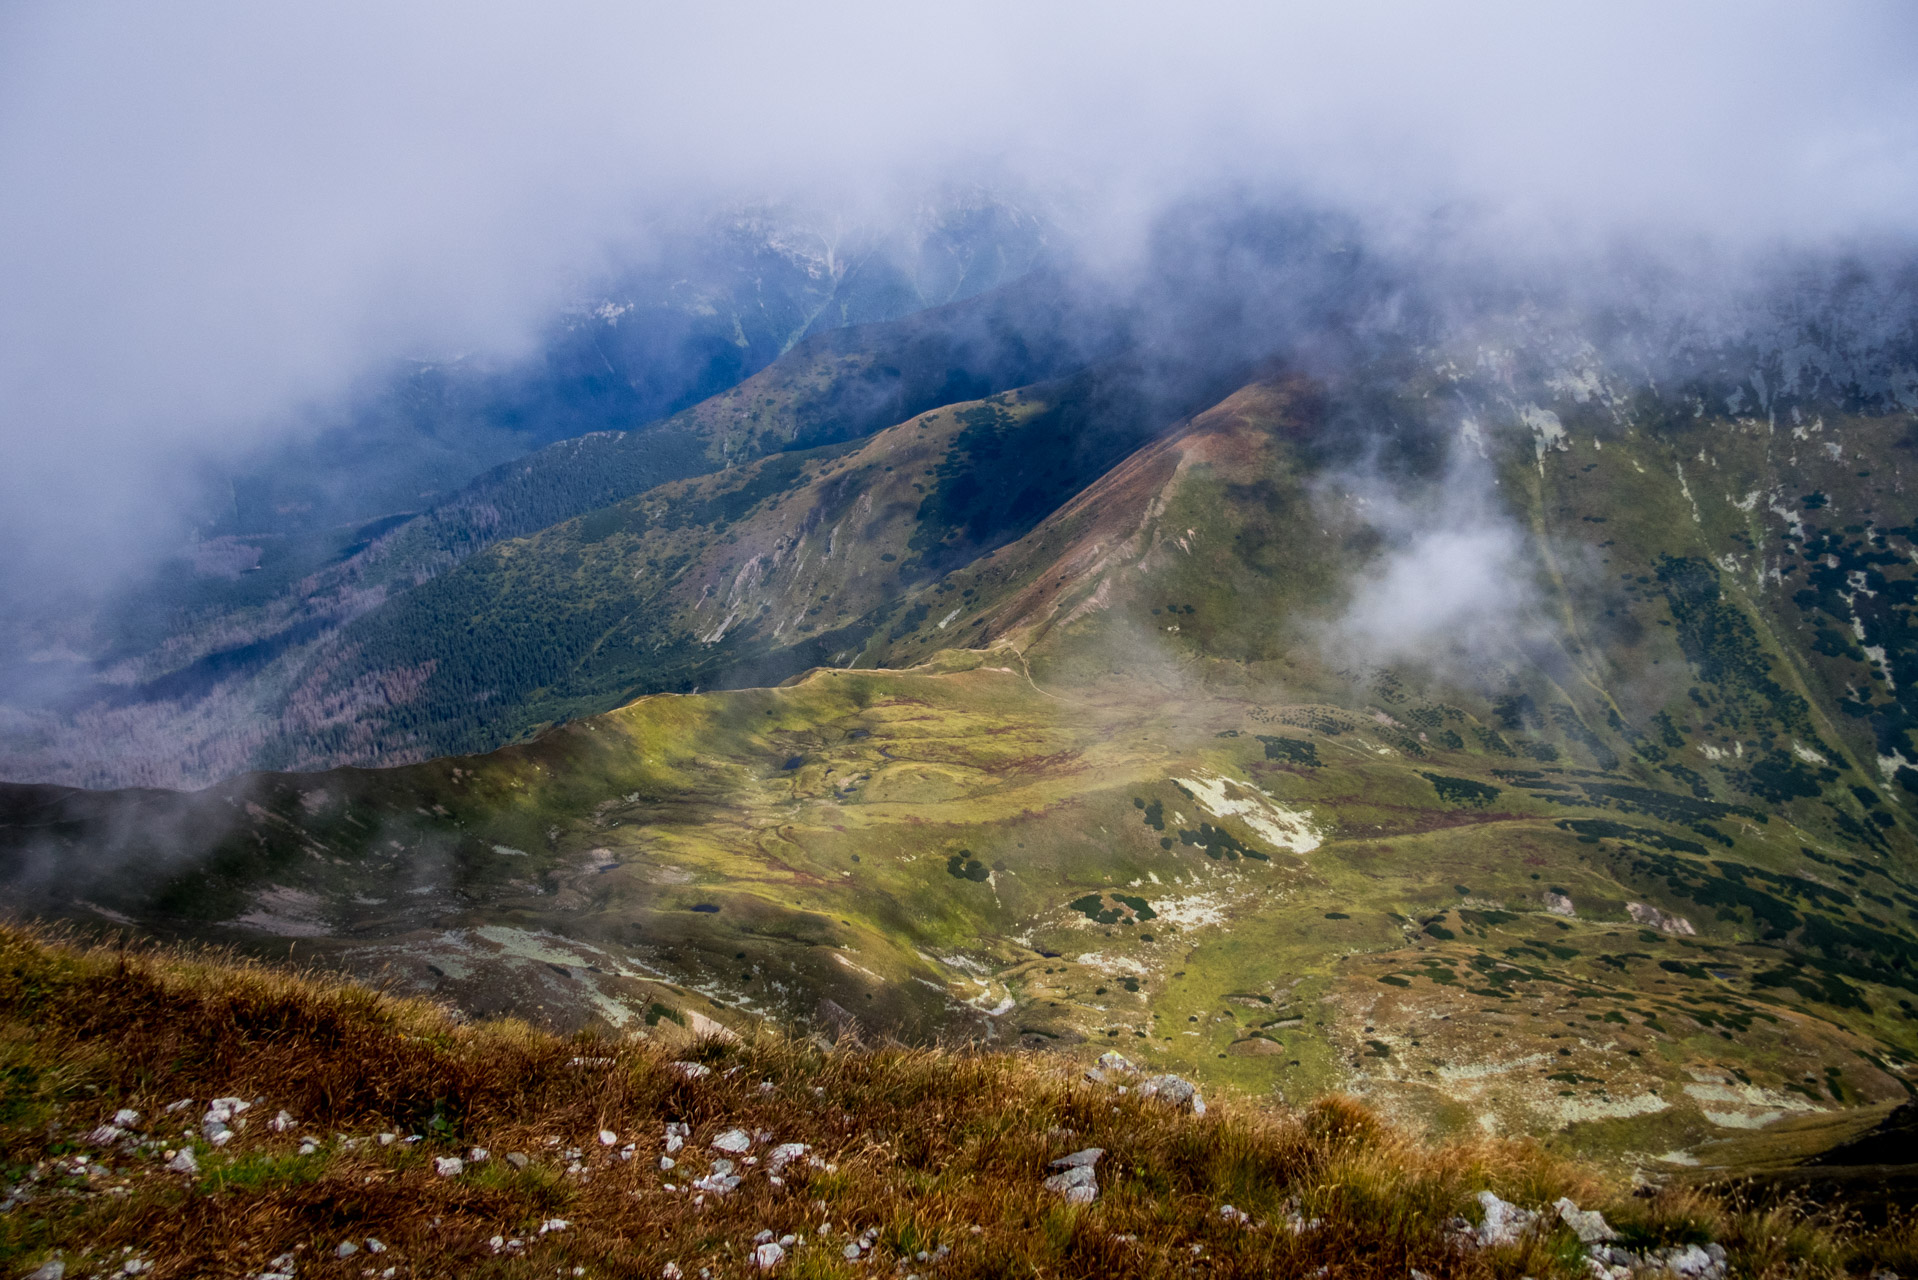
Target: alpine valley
(1293, 677)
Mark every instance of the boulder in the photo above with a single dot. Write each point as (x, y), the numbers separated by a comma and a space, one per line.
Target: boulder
(1588, 1225)
(1175, 1091)
(1504, 1222)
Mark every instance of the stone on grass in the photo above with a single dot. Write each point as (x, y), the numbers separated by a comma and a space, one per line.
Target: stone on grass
(733, 1141)
(448, 1166)
(784, 1154)
(281, 1123)
(1588, 1225)
(346, 1250)
(1112, 1060)
(1077, 1183)
(518, 1159)
(670, 1271)
(692, 1070)
(53, 1270)
(1175, 1091)
(607, 1138)
(1504, 1221)
(183, 1162)
(767, 1256)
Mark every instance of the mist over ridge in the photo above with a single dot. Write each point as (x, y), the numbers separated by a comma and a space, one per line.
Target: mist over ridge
(220, 220)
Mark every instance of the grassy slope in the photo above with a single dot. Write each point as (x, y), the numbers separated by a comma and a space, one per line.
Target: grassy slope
(912, 850)
(212, 676)
(916, 1151)
(747, 576)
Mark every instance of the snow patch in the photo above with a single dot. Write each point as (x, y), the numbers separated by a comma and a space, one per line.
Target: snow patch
(1277, 825)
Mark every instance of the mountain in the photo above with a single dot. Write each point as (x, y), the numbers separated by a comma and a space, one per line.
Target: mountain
(713, 302)
(1487, 723)
(207, 668)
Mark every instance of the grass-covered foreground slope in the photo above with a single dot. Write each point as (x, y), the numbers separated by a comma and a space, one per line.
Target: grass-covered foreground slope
(174, 1117)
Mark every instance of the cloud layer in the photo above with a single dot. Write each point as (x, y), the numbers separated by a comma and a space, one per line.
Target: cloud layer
(215, 215)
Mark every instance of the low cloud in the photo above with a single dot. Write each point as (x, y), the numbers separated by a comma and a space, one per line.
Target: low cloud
(217, 217)
(1453, 585)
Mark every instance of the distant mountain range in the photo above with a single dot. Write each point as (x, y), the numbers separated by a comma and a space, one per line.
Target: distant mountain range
(175, 681)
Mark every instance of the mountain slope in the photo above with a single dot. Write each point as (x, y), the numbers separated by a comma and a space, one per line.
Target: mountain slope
(744, 577)
(1629, 861)
(217, 688)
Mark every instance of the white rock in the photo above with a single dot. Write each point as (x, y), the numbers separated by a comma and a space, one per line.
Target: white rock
(1692, 1262)
(448, 1166)
(1504, 1222)
(375, 1246)
(607, 1138)
(106, 1135)
(692, 1070)
(346, 1250)
(734, 1141)
(125, 1118)
(767, 1256)
(671, 1271)
(183, 1162)
(1588, 1225)
(553, 1224)
(54, 1270)
(478, 1155)
(1078, 1184)
(1111, 1060)
(1175, 1091)
(1080, 1159)
(281, 1123)
(850, 1253)
(666, 1162)
(784, 1154)
(180, 1105)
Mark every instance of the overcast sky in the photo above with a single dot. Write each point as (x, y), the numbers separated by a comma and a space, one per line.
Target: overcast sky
(212, 215)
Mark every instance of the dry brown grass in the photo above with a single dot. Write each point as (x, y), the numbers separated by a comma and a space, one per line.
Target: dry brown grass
(928, 1147)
